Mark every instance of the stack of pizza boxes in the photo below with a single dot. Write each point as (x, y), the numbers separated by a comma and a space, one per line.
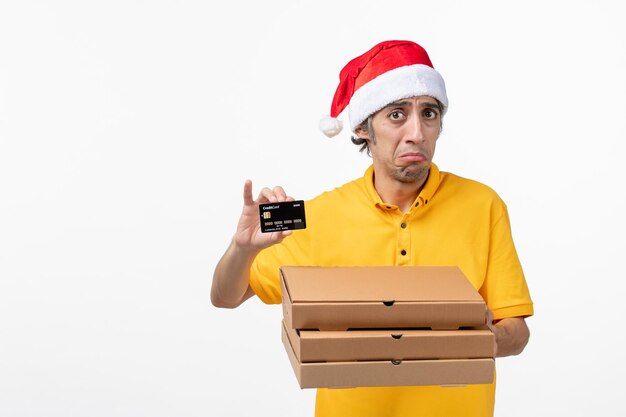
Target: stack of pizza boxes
(385, 326)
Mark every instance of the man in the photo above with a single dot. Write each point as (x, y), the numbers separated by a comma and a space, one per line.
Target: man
(404, 211)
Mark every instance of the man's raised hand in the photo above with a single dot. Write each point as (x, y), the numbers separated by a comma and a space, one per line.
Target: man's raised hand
(248, 235)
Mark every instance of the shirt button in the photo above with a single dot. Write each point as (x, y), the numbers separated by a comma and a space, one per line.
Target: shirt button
(403, 252)
(403, 225)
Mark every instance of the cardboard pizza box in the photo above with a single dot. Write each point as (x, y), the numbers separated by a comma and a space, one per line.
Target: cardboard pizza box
(347, 374)
(388, 344)
(339, 298)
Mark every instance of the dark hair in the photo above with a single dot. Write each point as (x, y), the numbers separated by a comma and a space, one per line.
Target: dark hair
(366, 125)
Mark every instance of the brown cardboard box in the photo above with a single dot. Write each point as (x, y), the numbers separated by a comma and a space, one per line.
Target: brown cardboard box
(389, 373)
(399, 344)
(339, 298)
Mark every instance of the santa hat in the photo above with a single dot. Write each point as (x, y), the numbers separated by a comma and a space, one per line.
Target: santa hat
(390, 71)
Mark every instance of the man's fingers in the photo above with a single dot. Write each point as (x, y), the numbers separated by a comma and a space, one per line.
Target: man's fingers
(489, 318)
(247, 193)
(273, 195)
(266, 195)
(279, 193)
(492, 327)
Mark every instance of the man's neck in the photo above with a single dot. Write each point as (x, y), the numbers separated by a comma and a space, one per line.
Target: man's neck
(400, 194)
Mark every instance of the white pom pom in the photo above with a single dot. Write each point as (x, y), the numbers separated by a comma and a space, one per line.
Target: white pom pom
(330, 126)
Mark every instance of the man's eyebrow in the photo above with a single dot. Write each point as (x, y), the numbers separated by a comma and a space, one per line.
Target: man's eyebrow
(399, 103)
(402, 103)
(430, 104)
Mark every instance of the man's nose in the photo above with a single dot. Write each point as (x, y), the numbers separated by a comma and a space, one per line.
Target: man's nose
(415, 132)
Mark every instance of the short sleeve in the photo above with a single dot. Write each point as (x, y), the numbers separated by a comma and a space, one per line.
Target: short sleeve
(505, 289)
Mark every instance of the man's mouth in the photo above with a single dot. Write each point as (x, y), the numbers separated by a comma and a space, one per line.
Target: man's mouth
(412, 157)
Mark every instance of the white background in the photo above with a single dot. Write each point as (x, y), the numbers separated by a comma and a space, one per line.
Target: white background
(127, 129)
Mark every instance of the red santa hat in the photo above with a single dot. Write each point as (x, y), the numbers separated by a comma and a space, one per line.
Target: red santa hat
(390, 71)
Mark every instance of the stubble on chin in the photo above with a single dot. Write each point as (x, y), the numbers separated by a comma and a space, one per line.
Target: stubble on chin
(409, 176)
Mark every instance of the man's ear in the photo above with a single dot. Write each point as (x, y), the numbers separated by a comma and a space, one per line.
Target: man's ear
(362, 133)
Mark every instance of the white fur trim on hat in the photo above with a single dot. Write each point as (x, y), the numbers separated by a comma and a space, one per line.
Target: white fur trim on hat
(330, 126)
(403, 82)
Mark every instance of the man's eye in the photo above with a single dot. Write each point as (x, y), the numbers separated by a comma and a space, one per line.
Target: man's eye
(430, 114)
(396, 115)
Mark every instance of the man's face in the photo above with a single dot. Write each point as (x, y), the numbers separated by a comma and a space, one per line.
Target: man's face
(406, 133)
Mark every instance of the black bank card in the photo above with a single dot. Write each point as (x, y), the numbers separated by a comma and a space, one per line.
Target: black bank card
(288, 215)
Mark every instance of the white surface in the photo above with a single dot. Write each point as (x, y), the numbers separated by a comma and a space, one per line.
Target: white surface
(127, 129)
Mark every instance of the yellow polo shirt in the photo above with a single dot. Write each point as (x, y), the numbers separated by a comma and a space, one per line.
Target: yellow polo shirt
(453, 221)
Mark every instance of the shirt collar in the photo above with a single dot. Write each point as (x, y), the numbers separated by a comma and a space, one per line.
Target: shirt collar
(424, 197)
